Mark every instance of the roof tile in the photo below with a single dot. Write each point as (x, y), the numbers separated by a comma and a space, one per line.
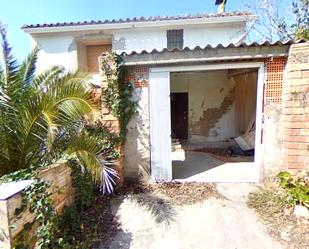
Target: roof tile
(138, 19)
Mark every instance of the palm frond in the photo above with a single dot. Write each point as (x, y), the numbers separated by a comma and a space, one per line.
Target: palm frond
(47, 78)
(27, 69)
(89, 153)
(9, 62)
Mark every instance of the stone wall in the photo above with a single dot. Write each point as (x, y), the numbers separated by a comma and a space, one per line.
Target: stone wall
(295, 120)
(11, 225)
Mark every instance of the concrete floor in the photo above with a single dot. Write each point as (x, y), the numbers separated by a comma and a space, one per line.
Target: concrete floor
(202, 167)
(213, 223)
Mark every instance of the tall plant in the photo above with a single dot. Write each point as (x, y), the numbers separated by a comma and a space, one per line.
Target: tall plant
(41, 117)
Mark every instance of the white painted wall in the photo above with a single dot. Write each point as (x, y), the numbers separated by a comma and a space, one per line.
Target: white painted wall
(56, 50)
(213, 35)
(139, 40)
(207, 90)
(62, 48)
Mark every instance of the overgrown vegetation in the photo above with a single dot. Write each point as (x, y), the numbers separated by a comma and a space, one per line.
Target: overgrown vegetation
(42, 117)
(117, 93)
(75, 228)
(275, 202)
(296, 186)
(42, 122)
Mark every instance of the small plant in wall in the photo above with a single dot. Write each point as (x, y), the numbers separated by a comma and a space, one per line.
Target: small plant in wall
(297, 187)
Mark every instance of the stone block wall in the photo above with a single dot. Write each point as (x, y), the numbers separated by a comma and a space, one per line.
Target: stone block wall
(11, 225)
(295, 100)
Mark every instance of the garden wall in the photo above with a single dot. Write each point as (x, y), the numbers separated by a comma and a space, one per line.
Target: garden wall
(11, 225)
(295, 99)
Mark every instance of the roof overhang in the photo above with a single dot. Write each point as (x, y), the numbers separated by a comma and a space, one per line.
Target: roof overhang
(136, 24)
(207, 54)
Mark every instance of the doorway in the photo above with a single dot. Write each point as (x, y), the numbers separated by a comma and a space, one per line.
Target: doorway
(160, 122)
(179, 115)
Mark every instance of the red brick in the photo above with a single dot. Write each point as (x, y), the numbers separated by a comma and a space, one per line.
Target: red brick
(290, 145)
(303, 146)
(302, 139)
(288, 131)
(288, 158)
(297, 124)
(296, 152)
(292, 103)
(304, 158)
(296, 165)
(304, 132)
(304, 118)
(305, 74)
(295, 75)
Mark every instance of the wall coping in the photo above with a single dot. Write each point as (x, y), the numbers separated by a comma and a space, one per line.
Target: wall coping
(9, 189)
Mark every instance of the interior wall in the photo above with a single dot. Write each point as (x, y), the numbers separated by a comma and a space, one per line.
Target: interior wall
(245, 99)
(211, 103)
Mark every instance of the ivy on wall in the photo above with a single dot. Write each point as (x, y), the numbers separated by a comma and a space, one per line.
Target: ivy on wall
(117, 92)
(50, 230)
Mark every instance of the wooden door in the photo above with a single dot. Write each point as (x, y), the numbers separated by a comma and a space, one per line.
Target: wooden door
(179, 115)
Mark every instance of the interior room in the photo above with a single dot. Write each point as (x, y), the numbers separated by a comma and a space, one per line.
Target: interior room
(212, 122)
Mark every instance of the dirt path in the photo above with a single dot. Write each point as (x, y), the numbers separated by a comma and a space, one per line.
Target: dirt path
(213, 223)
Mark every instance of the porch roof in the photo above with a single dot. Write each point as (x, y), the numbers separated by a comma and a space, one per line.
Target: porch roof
(241, 51)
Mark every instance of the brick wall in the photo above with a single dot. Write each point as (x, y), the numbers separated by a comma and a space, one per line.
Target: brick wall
(274, 77)
(272, 110)
(295, 103)
(139, 76)
(59, 178)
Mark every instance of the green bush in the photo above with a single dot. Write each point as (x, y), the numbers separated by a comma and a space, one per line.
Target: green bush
(297, 187)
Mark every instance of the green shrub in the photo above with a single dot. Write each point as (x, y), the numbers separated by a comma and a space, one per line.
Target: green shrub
(297, 187)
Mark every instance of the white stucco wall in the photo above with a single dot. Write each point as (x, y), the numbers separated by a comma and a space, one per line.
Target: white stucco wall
(213, 35)
(139, 40)
(56, 50)
(63, 48)
(207, 90)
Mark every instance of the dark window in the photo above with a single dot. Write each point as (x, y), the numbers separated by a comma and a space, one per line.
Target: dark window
(174, 38)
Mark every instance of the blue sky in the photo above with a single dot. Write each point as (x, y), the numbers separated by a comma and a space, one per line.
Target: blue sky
(15, 13)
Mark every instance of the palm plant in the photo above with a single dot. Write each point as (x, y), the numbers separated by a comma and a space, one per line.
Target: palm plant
(41, 117)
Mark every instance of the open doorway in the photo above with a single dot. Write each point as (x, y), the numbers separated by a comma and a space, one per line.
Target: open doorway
(213, 128)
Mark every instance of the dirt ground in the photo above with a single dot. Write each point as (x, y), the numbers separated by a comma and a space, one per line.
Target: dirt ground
(187, 215)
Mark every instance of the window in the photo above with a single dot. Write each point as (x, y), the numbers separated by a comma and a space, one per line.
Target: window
(174, 38)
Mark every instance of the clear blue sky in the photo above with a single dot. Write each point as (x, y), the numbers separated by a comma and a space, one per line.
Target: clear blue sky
(15, 13)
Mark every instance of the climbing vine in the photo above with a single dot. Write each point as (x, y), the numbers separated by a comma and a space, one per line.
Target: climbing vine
(37, 199)
(51, 230)
(117, 92)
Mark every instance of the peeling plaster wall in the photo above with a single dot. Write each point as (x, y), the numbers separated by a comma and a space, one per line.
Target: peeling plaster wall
(56, 50)
(211, 104)
(138, 40)
(137, 149)
(61, 48)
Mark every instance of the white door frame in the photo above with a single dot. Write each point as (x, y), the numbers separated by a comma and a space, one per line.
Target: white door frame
(218, 66)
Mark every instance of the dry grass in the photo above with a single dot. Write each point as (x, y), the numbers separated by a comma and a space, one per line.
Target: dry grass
(178, 193)
(272, 205)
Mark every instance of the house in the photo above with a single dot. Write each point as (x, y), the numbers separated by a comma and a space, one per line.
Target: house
(202, 92)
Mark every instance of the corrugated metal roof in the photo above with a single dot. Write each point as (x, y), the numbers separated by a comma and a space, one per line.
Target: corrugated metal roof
(139, 19)
(231, 45)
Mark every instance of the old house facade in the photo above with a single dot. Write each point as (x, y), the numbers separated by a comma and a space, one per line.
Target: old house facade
(201, 91)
